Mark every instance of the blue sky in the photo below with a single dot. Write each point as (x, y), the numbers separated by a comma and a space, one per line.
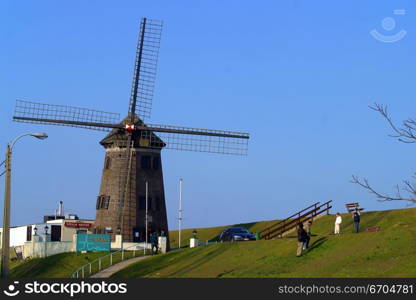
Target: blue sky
(298, 75)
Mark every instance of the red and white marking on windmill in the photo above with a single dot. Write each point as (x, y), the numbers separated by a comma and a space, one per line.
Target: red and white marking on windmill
(129, 127)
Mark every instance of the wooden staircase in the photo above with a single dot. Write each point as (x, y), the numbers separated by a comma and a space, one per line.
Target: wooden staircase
(310, 212)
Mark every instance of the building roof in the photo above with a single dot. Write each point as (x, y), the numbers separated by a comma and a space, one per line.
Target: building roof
(141, 139)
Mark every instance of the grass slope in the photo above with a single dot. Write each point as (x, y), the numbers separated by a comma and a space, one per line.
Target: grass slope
(64, 264)
(387, 253)
(56, 266)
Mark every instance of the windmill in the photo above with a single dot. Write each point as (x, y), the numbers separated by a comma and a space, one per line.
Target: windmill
(132, 177)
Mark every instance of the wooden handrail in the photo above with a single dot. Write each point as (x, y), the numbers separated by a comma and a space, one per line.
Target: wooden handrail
(270, 227)
(306, 217)
(293, 222)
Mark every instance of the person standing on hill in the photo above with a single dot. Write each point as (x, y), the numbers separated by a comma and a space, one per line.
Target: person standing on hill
(307, 227)
(356, 217)
(338, 222)
(302, 236)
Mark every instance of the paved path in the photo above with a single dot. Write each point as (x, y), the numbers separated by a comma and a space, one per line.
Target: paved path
(106, 273)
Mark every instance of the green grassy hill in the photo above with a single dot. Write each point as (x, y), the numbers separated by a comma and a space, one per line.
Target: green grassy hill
(64, 264)
(391, 252)
(56, 266)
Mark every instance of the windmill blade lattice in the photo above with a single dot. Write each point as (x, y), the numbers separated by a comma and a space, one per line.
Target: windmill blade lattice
(195, 139)
(145, 67)
(51, 114)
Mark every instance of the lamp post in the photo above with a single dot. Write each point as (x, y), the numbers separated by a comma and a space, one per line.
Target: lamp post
(180, 218)
(5, 245)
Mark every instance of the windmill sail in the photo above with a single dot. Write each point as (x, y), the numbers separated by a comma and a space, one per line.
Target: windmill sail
(51, 114)
(145, 66)
(167, 136)
(195, 139)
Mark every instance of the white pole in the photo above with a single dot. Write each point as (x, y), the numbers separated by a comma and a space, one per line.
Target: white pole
(180, 210)
(61, 208)
(146, 215)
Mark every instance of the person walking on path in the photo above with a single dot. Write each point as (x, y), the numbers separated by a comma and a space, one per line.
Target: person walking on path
(302, 235)
(356, 217)
(307, 227)
(338, 222)
(154, 242)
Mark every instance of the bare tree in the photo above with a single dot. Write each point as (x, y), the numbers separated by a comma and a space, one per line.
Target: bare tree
(405, 134)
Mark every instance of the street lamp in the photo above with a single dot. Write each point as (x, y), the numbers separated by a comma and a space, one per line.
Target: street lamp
(5, 245)
(38, 135)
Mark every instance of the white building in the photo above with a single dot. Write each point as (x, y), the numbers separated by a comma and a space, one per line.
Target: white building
(60, 230)
(57, 234)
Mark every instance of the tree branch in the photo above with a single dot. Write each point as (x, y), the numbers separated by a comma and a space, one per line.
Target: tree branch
(409, 188)
(406, 134)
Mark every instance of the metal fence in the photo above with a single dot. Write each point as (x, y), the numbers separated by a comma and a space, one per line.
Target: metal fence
(108, 260)
(207, 243)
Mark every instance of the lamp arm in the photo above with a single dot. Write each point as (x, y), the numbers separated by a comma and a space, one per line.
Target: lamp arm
(16, 139)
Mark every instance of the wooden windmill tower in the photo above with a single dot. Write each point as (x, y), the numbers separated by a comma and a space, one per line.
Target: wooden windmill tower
(132, 175)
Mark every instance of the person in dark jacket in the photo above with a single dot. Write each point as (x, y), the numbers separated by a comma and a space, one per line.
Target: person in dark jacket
(302, 237)
(307, 226)
(356, 217)
(154, 242)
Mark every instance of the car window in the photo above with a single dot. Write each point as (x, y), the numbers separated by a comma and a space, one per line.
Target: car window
(235, 230)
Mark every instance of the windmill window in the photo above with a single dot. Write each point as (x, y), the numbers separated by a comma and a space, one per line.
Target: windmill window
(98, 205)
(155, 163)
(103, 202)
(107, 163)
(145, 162)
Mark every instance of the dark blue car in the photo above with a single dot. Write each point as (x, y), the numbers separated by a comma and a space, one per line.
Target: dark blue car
(234, 234)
